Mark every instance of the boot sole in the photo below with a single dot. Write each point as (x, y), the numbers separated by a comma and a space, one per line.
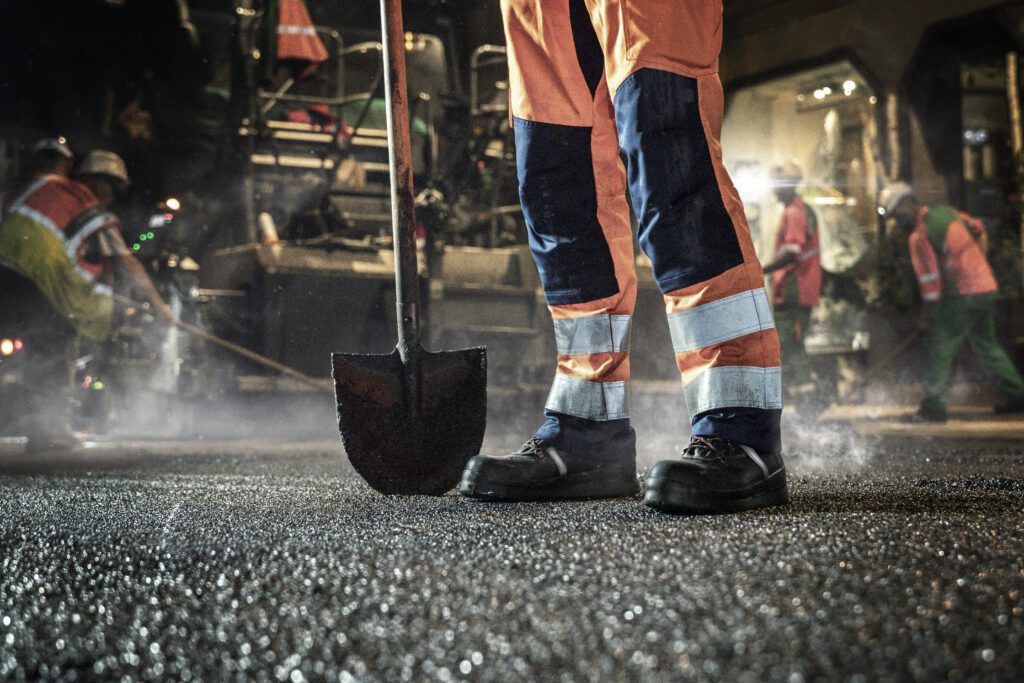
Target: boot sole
(667, 495)
(582, 486)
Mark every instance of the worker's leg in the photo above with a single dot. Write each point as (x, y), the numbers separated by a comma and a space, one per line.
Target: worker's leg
(47, 338)
(994, 361)
(662, 61)
(792, 323)
(947, 333)
(572, 188)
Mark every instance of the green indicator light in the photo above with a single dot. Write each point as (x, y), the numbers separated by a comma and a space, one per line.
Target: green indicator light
(149, 235)
(136, 246)
(142, 237)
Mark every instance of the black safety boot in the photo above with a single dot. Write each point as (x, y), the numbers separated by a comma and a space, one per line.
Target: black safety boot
(717, 475)
(539, 471)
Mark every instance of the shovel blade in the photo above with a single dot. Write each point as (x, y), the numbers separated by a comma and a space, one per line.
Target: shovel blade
(406, 449)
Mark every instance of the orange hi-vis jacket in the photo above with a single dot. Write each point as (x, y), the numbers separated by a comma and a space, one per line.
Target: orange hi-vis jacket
(43, 235)
(947, 249)
(799, 235)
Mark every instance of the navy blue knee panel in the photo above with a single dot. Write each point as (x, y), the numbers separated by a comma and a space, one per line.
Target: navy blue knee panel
(559, 198)
(683, 224)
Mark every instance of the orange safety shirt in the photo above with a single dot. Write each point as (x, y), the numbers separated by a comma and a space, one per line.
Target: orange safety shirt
(947, 249)
(798, 235)
(47, 234)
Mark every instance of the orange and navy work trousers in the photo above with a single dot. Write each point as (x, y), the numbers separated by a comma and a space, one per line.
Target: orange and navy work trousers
(590, 79)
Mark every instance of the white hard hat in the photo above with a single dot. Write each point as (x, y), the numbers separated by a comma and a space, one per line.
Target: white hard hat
(102, 162)
(58, 145)
(787, 173)
(890, 197)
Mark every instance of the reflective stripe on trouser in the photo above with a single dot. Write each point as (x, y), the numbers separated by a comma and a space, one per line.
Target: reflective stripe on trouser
(588, 77)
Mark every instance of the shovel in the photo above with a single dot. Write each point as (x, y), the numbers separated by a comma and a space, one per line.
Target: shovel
(412, 419)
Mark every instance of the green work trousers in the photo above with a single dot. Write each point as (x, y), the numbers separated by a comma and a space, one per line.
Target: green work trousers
(972, 319)
(792, 322)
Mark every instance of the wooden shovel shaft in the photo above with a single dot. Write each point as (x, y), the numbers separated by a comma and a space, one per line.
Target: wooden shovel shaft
(403, 215)
(323, 385)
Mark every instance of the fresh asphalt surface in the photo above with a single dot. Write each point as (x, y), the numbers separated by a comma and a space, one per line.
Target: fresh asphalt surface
(250, 560)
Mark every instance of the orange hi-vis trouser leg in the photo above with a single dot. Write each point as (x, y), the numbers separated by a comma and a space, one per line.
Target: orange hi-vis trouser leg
(591, 78)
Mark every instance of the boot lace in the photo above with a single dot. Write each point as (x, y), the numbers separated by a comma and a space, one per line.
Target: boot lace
(534, 447)
(705, 448)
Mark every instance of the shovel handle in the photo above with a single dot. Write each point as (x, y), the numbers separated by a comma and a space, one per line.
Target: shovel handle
(403, 214)
(323, 385)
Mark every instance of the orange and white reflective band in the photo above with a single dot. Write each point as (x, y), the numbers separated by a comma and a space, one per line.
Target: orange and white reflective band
(592, 334)
(718, 321)
(297, 36)
(716, 363)
(28, 192)
(71, 246)
(796, 249)
(101, 220)
(599, 401)
(735, 387)
(593, 367)
(787, 249)
(296, 30)
(931, 286)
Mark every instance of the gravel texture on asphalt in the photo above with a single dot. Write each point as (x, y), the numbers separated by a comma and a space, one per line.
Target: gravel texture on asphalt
(271, 562)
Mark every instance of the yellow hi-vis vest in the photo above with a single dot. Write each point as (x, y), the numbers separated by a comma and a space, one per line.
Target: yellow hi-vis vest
(42, 236)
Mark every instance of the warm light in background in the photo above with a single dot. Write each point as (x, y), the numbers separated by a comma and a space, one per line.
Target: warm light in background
(752, 182)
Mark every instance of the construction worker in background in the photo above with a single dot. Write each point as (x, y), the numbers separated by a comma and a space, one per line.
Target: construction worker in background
(50, 156)
(589, 78)
(61, 253)
(958, 289)
(795, 276)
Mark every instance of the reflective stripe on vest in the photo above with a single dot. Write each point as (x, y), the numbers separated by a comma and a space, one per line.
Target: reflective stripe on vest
(86, 225)
(599, 401)
(718, 321)
(787, 249)
(29, 191)
(810, 253)
(93, 220)
(592, 334)
(42, 219)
